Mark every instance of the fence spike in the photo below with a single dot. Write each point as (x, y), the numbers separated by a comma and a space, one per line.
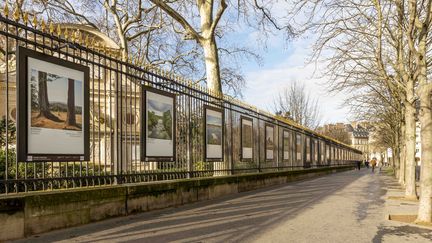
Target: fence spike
(66, 34)
(43, 25)
(74, 36)
(58, 30)
(26, 18)
(6, 10)
(16, 14)
(51, 27)
(35, 21)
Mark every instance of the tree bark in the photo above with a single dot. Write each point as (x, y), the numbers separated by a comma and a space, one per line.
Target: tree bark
(425, 203)
(402, 157)
(208, 43)
(211, 58)
(70, 119)
(410, 128)
(425, 117)
(44, 106)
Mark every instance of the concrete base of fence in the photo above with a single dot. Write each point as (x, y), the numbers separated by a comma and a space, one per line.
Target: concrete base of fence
(38, 212)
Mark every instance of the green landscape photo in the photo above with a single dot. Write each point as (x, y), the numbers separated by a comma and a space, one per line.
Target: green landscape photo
(160, 120)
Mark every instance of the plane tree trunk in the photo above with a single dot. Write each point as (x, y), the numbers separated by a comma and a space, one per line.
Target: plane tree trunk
(425, 118)
(44, 106)
(70, 118)
(410, 137)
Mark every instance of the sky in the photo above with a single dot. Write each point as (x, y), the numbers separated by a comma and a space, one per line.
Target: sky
(284, 63)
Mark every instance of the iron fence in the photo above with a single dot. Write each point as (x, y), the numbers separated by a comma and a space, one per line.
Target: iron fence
(115, 120)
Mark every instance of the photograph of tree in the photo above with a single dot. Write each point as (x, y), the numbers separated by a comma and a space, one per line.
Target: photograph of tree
(286, 145)
(214, 130)
(160, 120)
(269, 138)
(269, 143)
(246, 135)
(56, 101)
(246, 138)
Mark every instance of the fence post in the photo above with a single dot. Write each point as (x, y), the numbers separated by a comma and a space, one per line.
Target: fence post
(259, 142)
(231, 147)
(278, 144)
(117, 142)
(189, 139)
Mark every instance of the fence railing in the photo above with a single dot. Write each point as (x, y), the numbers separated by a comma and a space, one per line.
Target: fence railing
(115, 121)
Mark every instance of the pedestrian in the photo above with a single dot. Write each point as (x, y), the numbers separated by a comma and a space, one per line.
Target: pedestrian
(367, 164)
(373, 163)
(358, 164)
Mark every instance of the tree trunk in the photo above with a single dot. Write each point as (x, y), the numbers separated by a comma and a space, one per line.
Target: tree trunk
(425, 204)
(44, 106)
(211, 58)
(396, 162)
(70, 119)
(410, 128)
(402, 157)
(425, 117)
(208, 43)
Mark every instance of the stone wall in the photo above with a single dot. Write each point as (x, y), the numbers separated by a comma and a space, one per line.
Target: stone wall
(33, 213)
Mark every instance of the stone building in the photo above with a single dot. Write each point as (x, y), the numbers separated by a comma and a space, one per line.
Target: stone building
(359, 134)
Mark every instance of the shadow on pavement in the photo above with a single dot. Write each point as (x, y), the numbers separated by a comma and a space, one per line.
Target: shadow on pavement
(401, 231)
(232, 218)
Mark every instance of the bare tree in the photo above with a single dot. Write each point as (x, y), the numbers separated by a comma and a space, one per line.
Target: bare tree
(368, 53)
(383, 45)
(295, 103)
(200, 21)
(335, 131)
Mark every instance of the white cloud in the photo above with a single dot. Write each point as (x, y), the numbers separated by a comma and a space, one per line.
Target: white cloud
(264, 84)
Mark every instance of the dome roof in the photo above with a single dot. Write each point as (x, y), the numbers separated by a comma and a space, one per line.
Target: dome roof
(90, 31)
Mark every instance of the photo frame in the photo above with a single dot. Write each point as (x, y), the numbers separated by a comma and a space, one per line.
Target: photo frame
(53, 107)
(158, 140)
(213, 133)
(286, 145)
(269, 143)
(246, 139)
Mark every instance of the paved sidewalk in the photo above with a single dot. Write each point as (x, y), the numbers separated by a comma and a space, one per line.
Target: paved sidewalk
(349, 206)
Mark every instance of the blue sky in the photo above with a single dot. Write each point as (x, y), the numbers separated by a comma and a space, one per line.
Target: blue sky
(283, 63)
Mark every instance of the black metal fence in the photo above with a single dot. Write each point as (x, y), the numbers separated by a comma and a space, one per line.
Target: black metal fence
(115, 134)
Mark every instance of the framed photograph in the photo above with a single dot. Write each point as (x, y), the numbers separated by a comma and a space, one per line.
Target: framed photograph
(246, 138)
(286, 145)
(269, 142)
(53, 108)
(213, 118)
(158, 125)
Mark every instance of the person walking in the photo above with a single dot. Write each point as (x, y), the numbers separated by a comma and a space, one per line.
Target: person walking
(358, 164)
(373, 163)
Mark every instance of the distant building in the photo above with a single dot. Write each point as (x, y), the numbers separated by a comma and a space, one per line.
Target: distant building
(360, 134)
